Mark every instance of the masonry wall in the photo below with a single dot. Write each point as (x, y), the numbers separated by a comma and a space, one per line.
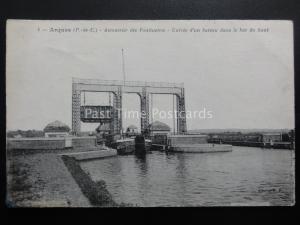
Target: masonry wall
(49, 143)
(78, 142)
(36, 143)
(187, 139)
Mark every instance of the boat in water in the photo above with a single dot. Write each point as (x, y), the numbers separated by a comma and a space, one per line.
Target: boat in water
(128, 146)
(142, 145)
(195, 143)
(124, 146)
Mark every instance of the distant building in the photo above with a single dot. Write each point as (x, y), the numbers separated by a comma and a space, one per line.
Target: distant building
(271, 137)
(131, 130)
(252, 137)
(158, 127)
(17, 136)
(56, 129)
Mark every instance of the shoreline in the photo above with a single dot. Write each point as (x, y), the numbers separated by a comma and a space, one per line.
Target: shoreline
(96, 192)
(56, 179)
(52, 179)
(41, 180)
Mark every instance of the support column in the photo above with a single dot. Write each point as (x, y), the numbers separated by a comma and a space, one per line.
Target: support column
(144, 109)
(111, 103)
(117, 111)
(181, 116)
(75, 109)
(177, 113)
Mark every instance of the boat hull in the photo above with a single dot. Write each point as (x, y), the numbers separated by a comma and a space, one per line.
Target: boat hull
(130, 146)
(201, 148)
(124, 147)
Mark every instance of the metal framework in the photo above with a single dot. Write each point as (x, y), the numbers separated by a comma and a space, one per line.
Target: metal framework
(117, 88)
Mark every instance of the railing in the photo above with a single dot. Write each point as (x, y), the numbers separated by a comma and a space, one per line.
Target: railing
(128, 83)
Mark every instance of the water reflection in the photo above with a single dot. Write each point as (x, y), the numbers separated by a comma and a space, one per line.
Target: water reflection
(141, 162)
(181, 174)
(143, 182)
(244, 176)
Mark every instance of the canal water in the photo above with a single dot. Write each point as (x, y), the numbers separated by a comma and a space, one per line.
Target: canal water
(245, 176)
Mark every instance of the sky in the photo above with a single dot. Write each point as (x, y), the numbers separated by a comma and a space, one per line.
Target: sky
(245, 79)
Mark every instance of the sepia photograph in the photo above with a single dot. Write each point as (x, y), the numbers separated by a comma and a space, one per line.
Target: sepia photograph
(150, 113)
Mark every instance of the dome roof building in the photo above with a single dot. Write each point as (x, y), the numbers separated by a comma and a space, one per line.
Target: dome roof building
(56, 129)
(56, 126)
(132, 127)
(158, 126)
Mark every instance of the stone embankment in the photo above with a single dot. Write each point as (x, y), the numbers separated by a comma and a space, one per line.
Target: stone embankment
(88, 155)
(96, 192)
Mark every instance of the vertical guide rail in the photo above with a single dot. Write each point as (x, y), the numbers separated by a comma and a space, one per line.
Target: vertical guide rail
(121, 93)
(178, 113)
(123, 67)
(75, 109)
(111, 124)
(151, 110)
(181, 117)
(84, 98)
(173, 113)
(144, 109)
(117, 111)
(109, 99)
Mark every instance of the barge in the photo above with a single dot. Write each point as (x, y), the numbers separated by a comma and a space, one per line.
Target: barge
(201, 148)
(124, 146)
(195, 144)
(128, 146)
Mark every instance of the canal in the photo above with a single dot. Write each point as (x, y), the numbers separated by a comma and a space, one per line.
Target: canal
(245, 176)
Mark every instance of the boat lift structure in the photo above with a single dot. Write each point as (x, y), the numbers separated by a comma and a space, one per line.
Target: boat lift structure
(117, 88)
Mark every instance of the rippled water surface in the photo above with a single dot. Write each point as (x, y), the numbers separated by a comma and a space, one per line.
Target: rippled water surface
(245, 176)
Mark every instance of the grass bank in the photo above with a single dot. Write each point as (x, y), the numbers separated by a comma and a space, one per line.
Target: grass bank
(20, 189)
(96, 192)
(41, 180)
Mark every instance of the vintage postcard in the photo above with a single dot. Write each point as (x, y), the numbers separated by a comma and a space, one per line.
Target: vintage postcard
(150, 113)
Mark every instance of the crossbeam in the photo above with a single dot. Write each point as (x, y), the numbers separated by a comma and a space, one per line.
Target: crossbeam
(128, 83)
